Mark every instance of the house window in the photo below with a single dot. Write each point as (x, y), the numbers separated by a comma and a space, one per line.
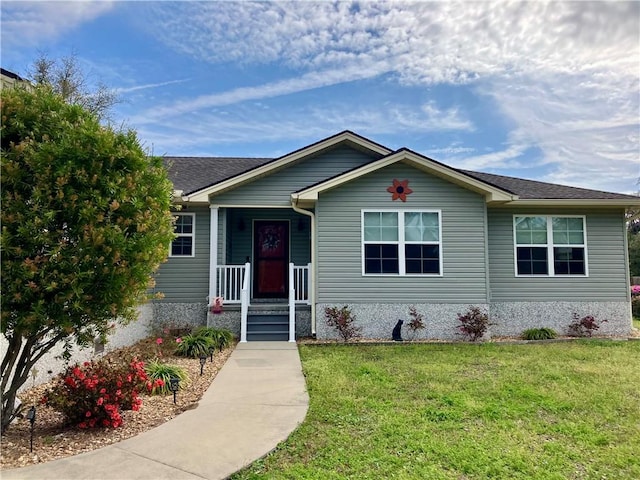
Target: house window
(552, 246)
(184, 228)
(401, 243)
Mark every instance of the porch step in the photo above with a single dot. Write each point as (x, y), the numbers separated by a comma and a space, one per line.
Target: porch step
(262, 327)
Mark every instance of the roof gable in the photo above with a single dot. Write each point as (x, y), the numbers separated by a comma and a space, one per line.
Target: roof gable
(269, 167)
(308, 196)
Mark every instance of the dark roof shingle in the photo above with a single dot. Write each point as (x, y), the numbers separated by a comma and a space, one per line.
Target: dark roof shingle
(532, 189)
(191, 174)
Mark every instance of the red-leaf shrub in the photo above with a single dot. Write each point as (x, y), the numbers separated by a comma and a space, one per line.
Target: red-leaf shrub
(94, 394)
(342, 319)
(474, 323)
(583, 327)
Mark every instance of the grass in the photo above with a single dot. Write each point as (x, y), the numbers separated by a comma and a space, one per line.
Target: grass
(636, 323)
(442, 411)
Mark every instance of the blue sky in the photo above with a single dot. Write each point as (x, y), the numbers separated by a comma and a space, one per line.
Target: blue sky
(546, 91)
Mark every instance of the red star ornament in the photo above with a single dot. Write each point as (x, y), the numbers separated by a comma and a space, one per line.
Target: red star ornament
(399, 190)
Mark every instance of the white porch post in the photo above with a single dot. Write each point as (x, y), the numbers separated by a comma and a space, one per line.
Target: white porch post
(213, 254)
(292, 304)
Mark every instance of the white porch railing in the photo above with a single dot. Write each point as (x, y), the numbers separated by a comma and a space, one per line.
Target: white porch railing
(229, 282)
(244, 302)
(234, 286)
(299, 278)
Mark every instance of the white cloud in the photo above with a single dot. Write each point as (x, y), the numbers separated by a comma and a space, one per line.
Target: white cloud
(191, 133)
(32, 23)
(564, 75)
(146, 86)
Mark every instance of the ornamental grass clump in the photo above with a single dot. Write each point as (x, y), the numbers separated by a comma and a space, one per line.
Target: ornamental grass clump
(539, 334)
(221, 336)
(160, 374)
(194, 346)
(93, 394)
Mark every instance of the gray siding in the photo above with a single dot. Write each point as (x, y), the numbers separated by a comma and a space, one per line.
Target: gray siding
(276, 189)
(186, 279)
(605, 251)
(339, 247)
(239, 243)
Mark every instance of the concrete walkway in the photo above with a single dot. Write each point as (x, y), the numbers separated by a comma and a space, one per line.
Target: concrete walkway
(257, 399)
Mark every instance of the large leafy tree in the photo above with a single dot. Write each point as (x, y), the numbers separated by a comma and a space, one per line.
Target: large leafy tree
(85, 222)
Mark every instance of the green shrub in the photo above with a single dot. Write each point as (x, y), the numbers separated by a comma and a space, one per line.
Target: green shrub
(161, 373)
(221, 336)
(94, 394)
(343, 321)
(194, 346)
(474, 323)
(539, 334)
(635, 306)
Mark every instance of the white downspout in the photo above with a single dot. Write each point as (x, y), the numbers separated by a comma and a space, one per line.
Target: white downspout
(312, 269)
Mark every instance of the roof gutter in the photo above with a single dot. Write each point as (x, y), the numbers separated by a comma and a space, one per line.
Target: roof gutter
(312, 269)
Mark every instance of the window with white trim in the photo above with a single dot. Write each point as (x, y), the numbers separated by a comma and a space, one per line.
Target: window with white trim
(396, 242)
(185, 229)
(550, 245)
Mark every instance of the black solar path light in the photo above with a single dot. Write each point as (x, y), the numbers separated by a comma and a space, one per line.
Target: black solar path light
(174, 385)
(203, 360)
(31, 416)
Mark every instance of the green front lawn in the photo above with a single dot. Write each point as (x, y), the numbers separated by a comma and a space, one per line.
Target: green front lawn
(464, 411)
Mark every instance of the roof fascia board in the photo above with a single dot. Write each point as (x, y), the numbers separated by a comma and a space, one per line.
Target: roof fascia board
(203, 195)
(492, 194)
(575, 202)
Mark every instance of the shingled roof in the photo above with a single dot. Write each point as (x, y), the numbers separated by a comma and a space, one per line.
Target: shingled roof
(531, 189)
(192, 174)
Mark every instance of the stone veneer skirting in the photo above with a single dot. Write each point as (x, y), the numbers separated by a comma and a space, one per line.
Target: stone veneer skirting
(508, 319)
(51, 364)
(512, 318)
(378, 319)
(179, 315)
(441, 320)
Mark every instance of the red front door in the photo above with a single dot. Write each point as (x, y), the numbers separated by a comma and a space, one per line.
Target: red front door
(271, 259)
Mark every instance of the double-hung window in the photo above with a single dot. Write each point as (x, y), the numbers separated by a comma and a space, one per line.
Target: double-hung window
(397, 242)
(550, 245)
(184, 228)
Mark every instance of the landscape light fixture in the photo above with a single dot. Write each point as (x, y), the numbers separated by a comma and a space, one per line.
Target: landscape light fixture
(203, 360)
(31, 416)
(174, 385)
(211, 350)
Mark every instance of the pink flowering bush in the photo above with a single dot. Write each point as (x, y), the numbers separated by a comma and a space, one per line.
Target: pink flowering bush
(94, 394)
(635, 300)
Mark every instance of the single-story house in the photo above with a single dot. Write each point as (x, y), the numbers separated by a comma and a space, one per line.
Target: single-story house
(265, 245)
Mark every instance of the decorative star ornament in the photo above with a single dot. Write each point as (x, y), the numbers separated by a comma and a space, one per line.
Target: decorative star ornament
(399, 190)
